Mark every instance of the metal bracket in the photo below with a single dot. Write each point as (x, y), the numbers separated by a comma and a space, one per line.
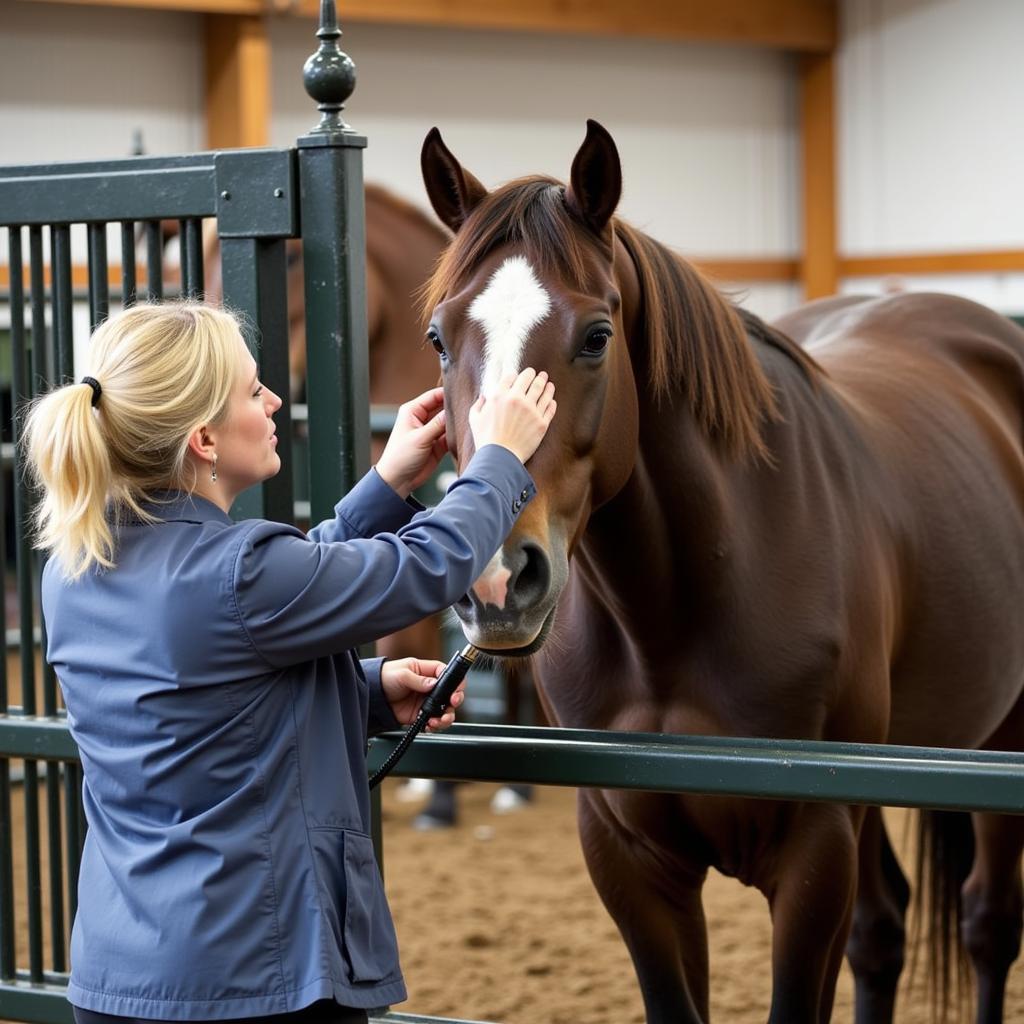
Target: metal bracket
(257, 193)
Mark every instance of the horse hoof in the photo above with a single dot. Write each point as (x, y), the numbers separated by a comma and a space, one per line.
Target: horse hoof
(430, 822)
(506, 800)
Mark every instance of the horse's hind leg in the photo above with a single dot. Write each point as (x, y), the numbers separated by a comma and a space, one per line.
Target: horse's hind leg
(811, 898)
(993, 908)
(663, 925)
(878, 937)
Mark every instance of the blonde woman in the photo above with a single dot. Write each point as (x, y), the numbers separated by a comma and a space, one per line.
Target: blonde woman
(209, 672)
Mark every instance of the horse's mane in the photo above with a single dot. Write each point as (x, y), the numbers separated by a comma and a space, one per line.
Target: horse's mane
(698, 342)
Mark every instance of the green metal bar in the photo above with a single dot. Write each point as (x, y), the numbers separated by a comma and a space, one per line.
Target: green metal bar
(8, 952)
(149, 189)
(412, 1018)
(783, 770)
(154, 261)
(191, 249)
(334, 252)
(55, 860)
(72, 790)
(38, 1004)
(129, 286)
(60, 268)
(255, 287)
(37, 294)
(115, 191)
(15, 262)
(33, 871)
(40, 738)
(99, 288)
(20, 389)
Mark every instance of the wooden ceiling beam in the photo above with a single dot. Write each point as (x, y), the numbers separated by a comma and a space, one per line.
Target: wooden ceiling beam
(808, 26)
(802, 25)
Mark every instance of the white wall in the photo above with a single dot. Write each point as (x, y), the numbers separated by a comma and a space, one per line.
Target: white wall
(931, 155)
(77, 82)
(928, 91)
(707, 135)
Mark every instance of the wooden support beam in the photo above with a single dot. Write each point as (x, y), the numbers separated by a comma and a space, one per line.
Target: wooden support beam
(761, 271)
(809, 26)
(192, 6)
(805, 25)
(237, 81)
(820, 267)
(981, 262)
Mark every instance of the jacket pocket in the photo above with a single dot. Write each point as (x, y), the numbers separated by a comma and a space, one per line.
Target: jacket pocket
(355, 904)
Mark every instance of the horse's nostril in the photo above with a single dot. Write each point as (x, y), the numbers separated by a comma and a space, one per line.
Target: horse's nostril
(532, 583)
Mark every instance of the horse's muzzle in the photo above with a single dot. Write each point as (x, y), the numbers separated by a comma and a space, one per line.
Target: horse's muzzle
(510, 607)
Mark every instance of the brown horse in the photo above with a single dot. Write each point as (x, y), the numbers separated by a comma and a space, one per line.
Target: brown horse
(748, 538)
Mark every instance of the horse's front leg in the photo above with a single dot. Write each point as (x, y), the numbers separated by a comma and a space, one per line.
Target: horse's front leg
(659, 914)
(811, 897)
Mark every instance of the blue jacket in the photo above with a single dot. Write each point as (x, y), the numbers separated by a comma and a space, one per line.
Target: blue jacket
(222, 719)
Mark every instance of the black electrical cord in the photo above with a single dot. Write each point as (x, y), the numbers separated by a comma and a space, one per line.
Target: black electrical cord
(435, 704)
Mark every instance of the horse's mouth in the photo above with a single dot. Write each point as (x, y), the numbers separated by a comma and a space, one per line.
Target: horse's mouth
(523, 651)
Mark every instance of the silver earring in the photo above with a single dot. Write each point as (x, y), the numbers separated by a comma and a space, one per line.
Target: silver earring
(213, 469)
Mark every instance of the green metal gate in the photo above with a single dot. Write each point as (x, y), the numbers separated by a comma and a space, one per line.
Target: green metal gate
(52, 217)
(259, 199)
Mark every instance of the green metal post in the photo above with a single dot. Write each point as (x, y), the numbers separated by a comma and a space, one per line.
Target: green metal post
(334, 254)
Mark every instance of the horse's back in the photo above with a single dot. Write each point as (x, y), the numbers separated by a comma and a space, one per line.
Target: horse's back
(935, 385)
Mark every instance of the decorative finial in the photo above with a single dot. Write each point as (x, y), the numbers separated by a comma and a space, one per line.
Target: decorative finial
(329, 75)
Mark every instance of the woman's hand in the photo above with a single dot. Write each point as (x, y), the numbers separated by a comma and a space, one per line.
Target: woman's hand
(406, 683)
(516, 414)
(417, 443)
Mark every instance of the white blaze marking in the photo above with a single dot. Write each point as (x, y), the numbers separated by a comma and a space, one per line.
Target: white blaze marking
(511, 305)
(492, 587)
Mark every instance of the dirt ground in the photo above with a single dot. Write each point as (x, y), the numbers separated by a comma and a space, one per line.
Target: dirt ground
(511, 930)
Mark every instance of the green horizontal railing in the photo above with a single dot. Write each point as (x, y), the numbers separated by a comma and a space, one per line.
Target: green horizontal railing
(858, 773)
(776, 769)
(48, 1004)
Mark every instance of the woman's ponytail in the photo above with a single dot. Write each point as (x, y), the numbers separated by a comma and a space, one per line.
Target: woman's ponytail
(70, 464)
(111, 447)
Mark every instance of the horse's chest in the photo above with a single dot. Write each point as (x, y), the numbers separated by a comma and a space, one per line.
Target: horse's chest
(683, 835)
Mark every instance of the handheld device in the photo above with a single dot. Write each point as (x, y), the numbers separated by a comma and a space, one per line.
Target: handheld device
(436, 704)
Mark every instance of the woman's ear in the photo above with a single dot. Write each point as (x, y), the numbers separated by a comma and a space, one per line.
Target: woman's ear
(201, 443)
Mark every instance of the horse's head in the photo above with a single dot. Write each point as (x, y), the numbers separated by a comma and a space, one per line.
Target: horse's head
(535, 277)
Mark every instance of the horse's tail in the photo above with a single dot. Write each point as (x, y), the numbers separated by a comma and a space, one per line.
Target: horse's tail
(945, 852)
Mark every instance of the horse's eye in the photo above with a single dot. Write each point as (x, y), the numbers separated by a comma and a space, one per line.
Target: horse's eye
(597, 342)
(435, 339)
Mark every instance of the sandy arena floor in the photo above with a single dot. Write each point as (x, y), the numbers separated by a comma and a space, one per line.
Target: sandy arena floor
(513, 931)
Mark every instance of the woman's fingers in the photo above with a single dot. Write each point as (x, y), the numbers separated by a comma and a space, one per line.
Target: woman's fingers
(424, 406)
(524, 380)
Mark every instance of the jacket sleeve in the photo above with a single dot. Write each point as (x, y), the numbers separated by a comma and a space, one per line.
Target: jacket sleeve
(371, 507)
(299, 598)
(380, 718)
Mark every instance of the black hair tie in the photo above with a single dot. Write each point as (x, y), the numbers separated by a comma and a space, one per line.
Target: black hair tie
(96, 389)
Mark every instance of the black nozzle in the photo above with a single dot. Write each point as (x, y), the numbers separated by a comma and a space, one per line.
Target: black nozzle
(435, 704)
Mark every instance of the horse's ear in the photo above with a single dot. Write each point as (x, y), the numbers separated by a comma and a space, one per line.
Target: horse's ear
(453, 191)
(595, 184)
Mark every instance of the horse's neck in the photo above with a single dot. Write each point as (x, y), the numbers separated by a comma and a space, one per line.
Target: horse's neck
(657, 544)
(670, 542)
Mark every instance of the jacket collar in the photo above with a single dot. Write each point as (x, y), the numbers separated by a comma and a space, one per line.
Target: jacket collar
(181, 507)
